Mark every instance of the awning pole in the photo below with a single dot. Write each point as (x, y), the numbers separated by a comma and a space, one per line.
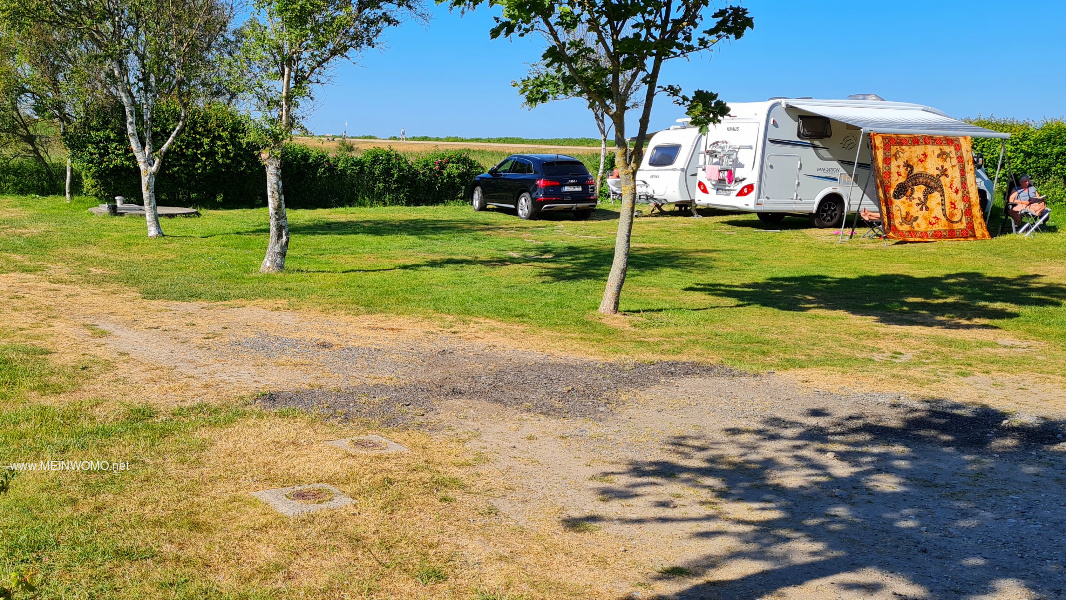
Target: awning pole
(855, 222)
(854, 170)
(1002, 150)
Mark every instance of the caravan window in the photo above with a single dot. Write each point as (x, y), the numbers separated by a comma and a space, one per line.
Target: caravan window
(814, 128)
(664, 155)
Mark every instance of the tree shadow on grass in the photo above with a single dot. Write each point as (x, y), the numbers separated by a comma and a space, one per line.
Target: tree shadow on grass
(789, 223)
(952, 500)
(560, 262)
(952, 301)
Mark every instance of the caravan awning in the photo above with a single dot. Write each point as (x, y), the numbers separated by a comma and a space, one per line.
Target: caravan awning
(897, 118)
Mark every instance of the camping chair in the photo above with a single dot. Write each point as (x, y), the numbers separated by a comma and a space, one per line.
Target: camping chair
(1033, 222)
(614, 188)
(874, 221)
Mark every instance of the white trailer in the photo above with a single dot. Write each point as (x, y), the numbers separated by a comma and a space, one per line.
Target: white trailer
(789, 156)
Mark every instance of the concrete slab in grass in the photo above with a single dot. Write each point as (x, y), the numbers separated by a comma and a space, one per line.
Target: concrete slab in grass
(301, 499)
(368, 444)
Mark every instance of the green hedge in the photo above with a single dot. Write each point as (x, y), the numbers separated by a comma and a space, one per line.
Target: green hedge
(25, 176)
(212, 164)
(1034, 149)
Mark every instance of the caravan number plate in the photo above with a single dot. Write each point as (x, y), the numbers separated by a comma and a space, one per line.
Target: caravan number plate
(722, 192)
(571, 188)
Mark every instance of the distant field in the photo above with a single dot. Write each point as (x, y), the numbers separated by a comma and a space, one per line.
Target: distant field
(486, 153)
(510, 141)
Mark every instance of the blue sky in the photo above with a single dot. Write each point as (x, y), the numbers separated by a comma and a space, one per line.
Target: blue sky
(965, 58)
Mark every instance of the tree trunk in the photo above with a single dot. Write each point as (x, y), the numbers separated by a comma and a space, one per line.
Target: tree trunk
(274, 262)
(617, 277)
(603, 159)
(70, 173)
(601, 124)
(151, 214)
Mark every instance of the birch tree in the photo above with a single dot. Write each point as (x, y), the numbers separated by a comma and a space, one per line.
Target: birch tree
(633, 36)
(287, 49)
(144, 51)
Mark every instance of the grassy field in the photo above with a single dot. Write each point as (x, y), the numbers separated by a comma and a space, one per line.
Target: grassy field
(915, 318)
(488, 154)
(179, 523)
(485, 140)
(712, 289)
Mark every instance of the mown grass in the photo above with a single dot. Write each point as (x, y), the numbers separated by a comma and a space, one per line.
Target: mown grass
(179, 521)
(717, 288)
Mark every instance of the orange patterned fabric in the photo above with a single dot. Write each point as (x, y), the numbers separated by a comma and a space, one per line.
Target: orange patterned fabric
(927, 188)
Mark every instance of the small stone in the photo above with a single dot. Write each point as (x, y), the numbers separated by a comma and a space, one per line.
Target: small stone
(372, 444)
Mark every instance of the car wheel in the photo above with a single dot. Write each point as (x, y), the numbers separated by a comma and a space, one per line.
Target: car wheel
(581, 215)
(771, 217)
(525, 206)
(830, 213)
(477, 198)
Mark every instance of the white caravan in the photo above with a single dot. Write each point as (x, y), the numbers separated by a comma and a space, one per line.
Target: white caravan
(786, 156)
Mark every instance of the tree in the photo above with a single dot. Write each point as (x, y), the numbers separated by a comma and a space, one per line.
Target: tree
(53, 83)
(542, 85)
(631, 36)
(286, 49)
(144, 51)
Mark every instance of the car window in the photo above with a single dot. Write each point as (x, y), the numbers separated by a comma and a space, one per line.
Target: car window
(521, 167)
(664, 155)
(505, 165)
(560, 168)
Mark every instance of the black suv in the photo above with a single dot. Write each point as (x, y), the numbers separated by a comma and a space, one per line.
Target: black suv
(532, 183)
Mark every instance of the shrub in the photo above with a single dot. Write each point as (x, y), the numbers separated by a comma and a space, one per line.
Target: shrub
(24, 176)
(445, 177)
(211, 163)
(384, 178)
(1036, 149)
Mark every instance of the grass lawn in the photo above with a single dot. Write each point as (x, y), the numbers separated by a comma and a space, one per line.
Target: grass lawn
(710, 289)
(178, 525)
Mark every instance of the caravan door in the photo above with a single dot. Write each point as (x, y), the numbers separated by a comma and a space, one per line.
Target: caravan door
(781, 180)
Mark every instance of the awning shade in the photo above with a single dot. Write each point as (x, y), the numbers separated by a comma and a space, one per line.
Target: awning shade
(897, 119)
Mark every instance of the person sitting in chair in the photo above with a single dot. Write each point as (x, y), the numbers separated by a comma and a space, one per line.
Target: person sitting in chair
(1022, 198)
(870, 215)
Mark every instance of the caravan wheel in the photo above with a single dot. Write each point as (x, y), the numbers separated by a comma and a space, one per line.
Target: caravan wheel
(830, 213)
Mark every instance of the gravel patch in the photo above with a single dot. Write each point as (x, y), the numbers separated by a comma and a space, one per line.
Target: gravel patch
(525, 381)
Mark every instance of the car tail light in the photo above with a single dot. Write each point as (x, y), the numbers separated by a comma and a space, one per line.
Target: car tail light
(543, 183)
(590, 181)
(703, 187)
(744, 191)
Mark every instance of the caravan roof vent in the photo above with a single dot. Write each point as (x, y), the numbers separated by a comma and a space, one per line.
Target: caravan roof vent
(777, 98)
(866, 97)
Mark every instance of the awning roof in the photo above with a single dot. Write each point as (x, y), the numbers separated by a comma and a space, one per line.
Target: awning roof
(894, 117)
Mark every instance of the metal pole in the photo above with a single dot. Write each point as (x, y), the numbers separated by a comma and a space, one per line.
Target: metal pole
(855, 222)
(1002, 150)
(847, 201)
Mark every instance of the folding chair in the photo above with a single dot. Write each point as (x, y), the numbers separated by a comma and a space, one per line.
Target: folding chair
(614, 188)
(1033, 222)
(874, 221)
